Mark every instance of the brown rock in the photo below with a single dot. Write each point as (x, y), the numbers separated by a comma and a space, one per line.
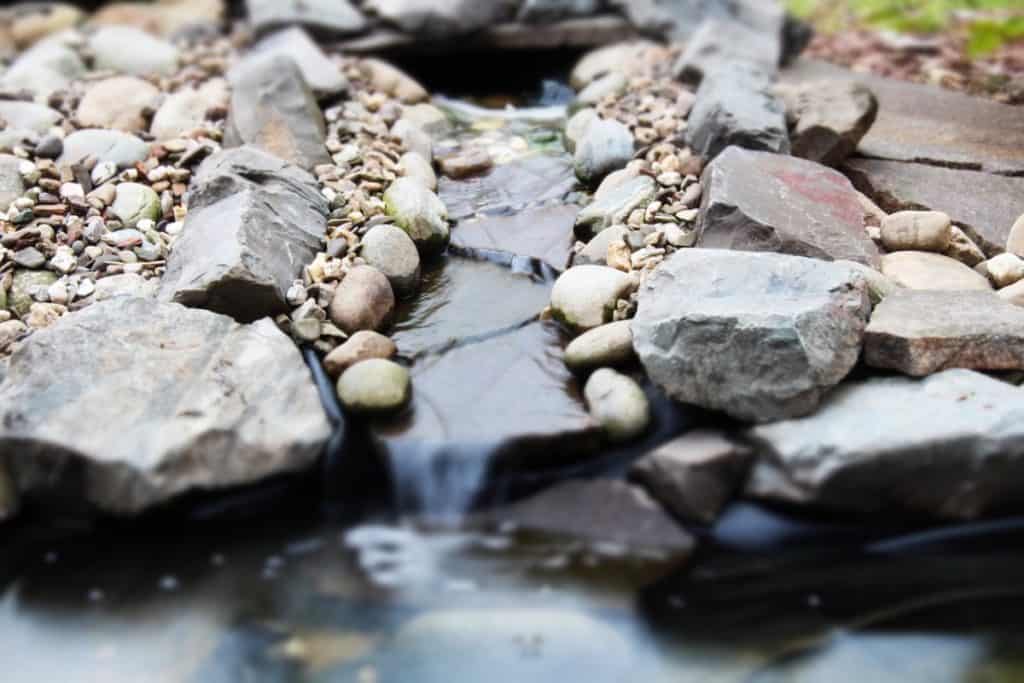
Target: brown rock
(363, 301)
(920, 333)
(963, 249)
(362, 345)
(392, 81)
(465, 164)
(694, 476)
(118, 103)
(925, 270)
(917, 231)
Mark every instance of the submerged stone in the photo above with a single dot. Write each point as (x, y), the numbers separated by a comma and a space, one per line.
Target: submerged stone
(543, 233)
(509, 187)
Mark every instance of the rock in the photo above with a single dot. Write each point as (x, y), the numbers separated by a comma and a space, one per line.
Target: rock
(605, 60)
(759, 336)
(10, 332)
(1015, 240)
(948, 446)
(923, 332)
(612, 206)
(755, 201)
(131, 51)
(596, 251)
(430, 119)
(25, 283)
(724, 41)
(187, 109)
(1004, 270)
(327, 18)
(542, 233)
(963, 249)
(879, 286)
(982, 204)
(413, 138)
(124, 285)
(931, 125)
(827, 119)
(543, 11)
(112, 146)
(42, 315)
(119, 103)
(510, 187)
(584, 296)
(392, 81)
(32, 22)
(597, 511)
(577, 126)
(439, 19)
(465, 164)
(735, 106)
(47, 68)
(420, 213)
(917, 231)
(28, 117)
(611, 84)
(49, 147)
(29, 257)
(363, 345)
(11, 184)
(605, 146)
(273, 109)
(695, 475)
(135, 202)
(391, 251)
(321, 74)
(416, 167)
(618, 404)
(374, 386)
(254, 223)
(199, 401)
(603, 346)
(469, 644)
(924, 270)
(363, 301)
(166, 18)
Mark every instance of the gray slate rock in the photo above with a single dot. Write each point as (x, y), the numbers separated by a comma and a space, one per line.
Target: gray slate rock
(759, 336)
(735, 105)
(130, 50)
(254, 222)
(722, 40)
(755, 201)
(828, 119)
(324, 17)
(612, 205)
(195, 401)
(123, 149)
(272, 108)
(605, 146)
(920, 332)
(322, 75)
(949, 446)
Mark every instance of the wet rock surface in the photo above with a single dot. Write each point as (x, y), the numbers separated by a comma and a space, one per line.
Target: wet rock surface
(199, 401)
(508, 187)
(757, 336)
(947, 446)
(542, 233)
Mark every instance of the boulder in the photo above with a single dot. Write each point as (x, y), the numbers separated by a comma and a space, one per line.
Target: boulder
(605, 146)
(756, 201)
(735, 106)
(828, 119)
(925, 270)
(761, 337)
(272, 108)
(949, 446)
(694, 475)
(116, 147)
(363, 301)
(321, 74)
(584, 297)
(254, 222)
(603, 346)
(131, 51)
(983, 205)
(618, 404)
(923, 332)
(328, 18)
(420, 213)
(391, 251)
(374, 386)
(199, 402)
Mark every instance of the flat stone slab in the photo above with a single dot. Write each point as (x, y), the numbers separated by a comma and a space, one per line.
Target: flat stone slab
(949, 446)
(510, 187)
(760, 337)
(923, 123)
(543, 233)
(324, 17)
(129, 403)
(922, 332)
(756, 201)
(985, 206)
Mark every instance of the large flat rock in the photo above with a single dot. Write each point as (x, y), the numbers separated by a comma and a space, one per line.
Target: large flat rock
(948, 446)
(758, 336)
(330, 18)
(544, 233)
(984, 205)
(927, 124)
(756, 201)
(921, 332)
(129, 403)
